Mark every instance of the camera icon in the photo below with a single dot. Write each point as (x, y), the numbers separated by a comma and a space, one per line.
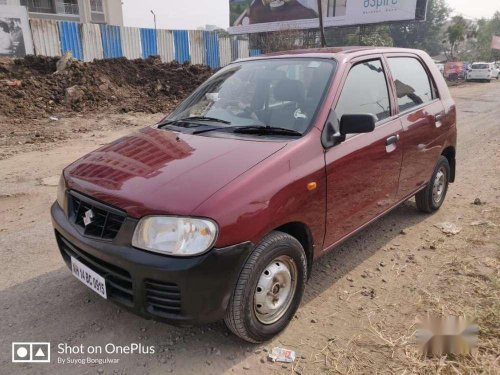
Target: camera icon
(33, 352)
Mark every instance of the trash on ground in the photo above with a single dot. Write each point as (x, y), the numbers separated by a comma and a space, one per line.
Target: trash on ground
(485, 223)
(12, 82)
(282, 355)
(449, 228)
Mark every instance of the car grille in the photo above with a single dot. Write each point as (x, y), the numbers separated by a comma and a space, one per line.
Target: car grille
(162, 298)
(106, 221)
(118, 280)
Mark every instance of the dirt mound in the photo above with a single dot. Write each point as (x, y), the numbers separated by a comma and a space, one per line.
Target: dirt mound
(32, 87)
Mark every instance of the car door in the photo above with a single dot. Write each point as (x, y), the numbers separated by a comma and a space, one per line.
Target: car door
(363, 171)
(421, 113)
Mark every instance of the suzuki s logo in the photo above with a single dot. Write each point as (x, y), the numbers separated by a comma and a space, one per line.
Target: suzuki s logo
(87, 218)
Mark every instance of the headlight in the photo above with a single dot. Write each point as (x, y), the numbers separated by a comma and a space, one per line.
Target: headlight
(61, 192)
(178, 236)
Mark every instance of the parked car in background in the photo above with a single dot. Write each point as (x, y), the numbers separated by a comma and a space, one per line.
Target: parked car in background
(496, 70)
(482, 71)
(440, 67)
(220, 210)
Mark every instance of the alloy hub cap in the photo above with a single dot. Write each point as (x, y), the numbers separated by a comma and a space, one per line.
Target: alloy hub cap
(275, 290)
(438, 186)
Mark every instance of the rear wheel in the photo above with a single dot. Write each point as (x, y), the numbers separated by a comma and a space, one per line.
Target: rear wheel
(269, 289)
(432, 197)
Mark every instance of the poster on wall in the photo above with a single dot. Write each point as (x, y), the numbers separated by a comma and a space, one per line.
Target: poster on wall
(250, 16)
(15, 34)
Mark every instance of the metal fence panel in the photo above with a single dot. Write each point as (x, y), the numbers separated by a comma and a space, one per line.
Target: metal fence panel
(45, 37)
(243, 50)
(131, 42)
(91, 40)
(234, 48)
(148, 43)
(111, 41)
(166, 45)
(196, 46)
(181, 45)
(225, 51)
(69, 34)
(211, 40)
(254, 52)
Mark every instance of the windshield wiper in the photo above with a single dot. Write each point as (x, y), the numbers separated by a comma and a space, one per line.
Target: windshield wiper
(205, 118)
(187, 120)
(254, 129)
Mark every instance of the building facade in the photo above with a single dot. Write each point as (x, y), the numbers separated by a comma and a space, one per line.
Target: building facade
(84, 11)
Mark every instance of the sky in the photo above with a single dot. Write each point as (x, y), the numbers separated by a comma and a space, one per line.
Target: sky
(190, 14)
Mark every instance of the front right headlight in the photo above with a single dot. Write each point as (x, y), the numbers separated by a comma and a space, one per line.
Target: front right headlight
(61, 192)
(176, 236)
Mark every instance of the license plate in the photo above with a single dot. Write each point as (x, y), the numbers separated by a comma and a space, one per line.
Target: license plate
(90, 278)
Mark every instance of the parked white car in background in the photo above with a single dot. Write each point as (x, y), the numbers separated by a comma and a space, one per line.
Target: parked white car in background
(483, 71)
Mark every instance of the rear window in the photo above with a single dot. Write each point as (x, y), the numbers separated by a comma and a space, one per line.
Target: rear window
(413, 85)
(479, 66)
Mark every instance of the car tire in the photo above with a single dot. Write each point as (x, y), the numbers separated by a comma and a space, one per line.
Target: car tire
(263, 283)
(433, 195)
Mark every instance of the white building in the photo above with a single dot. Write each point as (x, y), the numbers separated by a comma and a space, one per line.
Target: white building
(84, 11)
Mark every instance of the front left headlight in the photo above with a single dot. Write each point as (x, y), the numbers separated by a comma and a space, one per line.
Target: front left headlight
(177, 236)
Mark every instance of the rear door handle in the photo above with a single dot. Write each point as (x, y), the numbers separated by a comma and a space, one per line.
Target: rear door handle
(391, 140)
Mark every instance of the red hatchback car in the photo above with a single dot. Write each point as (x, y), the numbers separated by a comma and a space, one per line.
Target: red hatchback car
(219, 211)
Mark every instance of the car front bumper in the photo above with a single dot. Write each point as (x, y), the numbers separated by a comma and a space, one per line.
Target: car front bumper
(175, 290)
(478, 76)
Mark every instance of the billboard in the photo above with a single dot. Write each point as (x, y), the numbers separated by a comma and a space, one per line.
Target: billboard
(251, 16)
(15, 33)
(495, 42)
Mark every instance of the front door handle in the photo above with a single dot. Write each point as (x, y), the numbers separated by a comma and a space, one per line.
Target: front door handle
(438, 120)
(391, 140)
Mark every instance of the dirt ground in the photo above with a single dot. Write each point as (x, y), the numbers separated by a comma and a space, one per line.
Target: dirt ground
(360, 305)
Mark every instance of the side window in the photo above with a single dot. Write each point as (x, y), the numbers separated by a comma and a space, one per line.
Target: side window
(365, 91)
(413, 85)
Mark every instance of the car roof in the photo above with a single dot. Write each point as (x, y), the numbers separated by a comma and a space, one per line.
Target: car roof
(333, 52)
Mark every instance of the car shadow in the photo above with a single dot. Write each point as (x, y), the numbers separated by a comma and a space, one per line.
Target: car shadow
(55, 307)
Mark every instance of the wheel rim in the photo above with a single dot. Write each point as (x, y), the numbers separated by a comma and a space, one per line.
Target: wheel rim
(439, 186)
(275, 290)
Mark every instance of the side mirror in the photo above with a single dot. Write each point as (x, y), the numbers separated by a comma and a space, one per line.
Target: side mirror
(355, 124)
(349, 124)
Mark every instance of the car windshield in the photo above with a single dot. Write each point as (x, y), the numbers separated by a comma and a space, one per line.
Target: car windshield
(479, 66)
(278, 93)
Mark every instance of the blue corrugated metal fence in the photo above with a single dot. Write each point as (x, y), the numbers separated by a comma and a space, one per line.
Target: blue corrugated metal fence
(212, 56)
(254, 52)
(70, 38)
(148, 43)
(111, 41)
(105, 41)
(181, 45)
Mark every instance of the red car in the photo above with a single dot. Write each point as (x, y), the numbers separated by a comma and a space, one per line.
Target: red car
(219, 211)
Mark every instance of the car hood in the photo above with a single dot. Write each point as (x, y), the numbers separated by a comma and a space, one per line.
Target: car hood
(158, 171)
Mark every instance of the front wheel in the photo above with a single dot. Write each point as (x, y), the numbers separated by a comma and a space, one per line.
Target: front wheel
(269, 289)
(432, 197)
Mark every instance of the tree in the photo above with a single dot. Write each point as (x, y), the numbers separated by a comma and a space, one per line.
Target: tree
(372, 36)
(456, 33)
(426, 35)
(485, 31)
